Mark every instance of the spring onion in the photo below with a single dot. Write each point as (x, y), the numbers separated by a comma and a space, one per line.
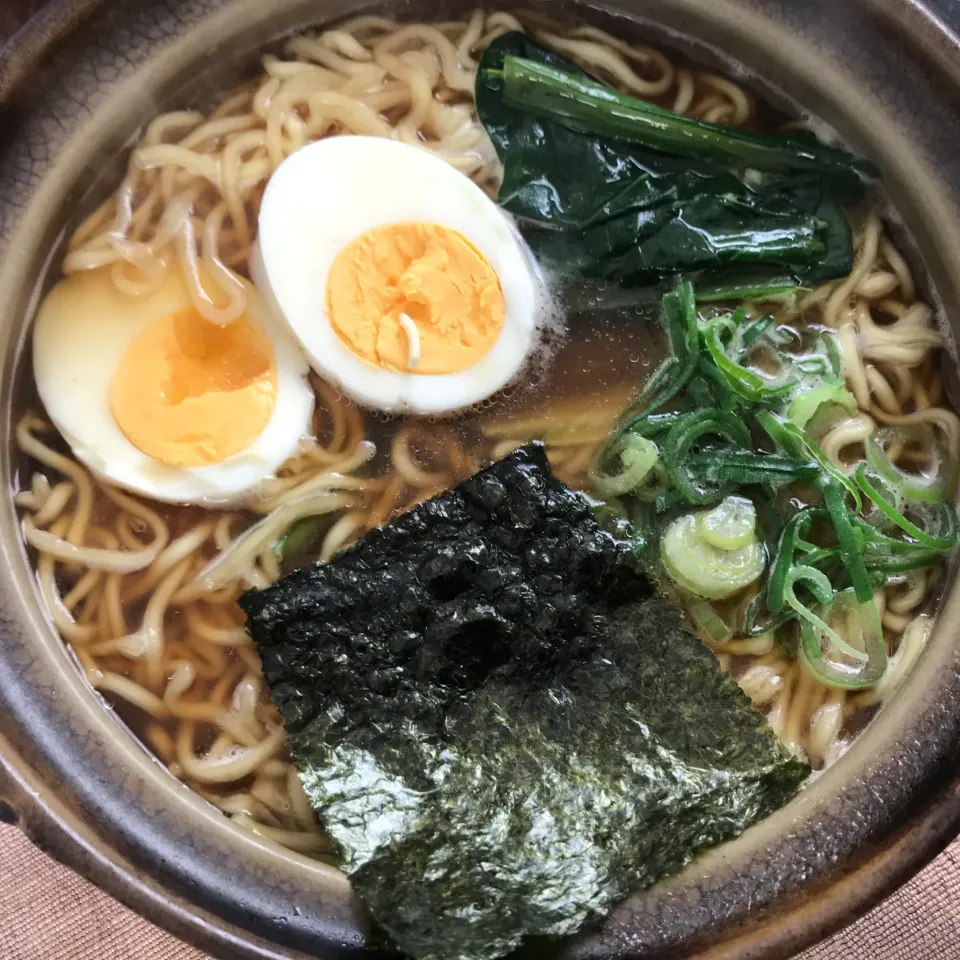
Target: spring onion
(729, 525)
(751, 334)
(803, 406)
(742, 467)
(798, 443)
(704, 569)
(738, 378)
(783, 560)
(893, 563)
(638, 457)
(764, 288)
(300, 537)
(822, 589)
(751, 612)
(655, 485)
(680, 313)
(832, 351)
(712, 627)
(931, 486)
(941, 533)
(712, 423)
(856, 667)
(860, 530)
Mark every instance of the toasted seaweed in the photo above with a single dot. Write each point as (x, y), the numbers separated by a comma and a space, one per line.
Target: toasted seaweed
(501, 722)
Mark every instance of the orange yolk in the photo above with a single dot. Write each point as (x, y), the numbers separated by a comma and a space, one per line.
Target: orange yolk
(415, 275)
(189, 393)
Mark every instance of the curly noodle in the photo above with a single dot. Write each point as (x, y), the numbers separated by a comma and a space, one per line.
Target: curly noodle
(147, 600)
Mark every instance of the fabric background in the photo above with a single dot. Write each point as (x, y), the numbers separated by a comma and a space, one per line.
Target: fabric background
(49, 913)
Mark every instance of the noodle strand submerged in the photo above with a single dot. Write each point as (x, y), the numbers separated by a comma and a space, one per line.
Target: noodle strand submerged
(148, 600)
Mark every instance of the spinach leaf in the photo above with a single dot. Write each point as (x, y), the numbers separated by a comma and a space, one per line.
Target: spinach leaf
(588, 106)
(630, 212)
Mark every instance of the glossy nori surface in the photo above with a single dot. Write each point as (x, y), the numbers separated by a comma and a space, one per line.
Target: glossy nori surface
(502, 724)
(626, 212)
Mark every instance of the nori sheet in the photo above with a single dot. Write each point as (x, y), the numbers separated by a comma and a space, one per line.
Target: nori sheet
(501, 722)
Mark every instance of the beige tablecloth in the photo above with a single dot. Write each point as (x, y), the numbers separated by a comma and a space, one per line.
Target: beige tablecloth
(49, 913)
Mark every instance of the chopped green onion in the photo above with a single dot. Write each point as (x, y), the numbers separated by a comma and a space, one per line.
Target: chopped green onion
(755, 331)
(790, 537)
(801, 444)
(821, 587)
(652, 424)
(751, 628)
(710, 623)
(655, 484)
(680, 316)
(806, 404)
(744, 382)
(869, 664)
(943, 519)
(851, 547)
(763, 288)
(814, 364)
(299, 537)
(732, 467)
(814, 557)
(890, 563)
(929, 487)
(832, 349)
(706, 570)
(776, 429)
(638, 456)
(729, 525)
(681, 440)
(708, 452)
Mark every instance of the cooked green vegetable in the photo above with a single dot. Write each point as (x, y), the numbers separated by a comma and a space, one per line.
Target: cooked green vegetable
(504, 727)
(729, 525)
(931, 486)
(303, 534)
(709, 623)
(631, 192)
(724, 428)
(805, 405)
(746, 284)
(582, 103)
(856, 666)
(638, 458)
(940, 530)
(705, 569)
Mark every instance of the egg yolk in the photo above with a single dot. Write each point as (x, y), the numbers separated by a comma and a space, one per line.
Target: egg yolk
(415, 297)
(189, 393)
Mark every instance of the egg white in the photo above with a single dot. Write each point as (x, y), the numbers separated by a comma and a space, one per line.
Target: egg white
(81, 333)
(329, 193)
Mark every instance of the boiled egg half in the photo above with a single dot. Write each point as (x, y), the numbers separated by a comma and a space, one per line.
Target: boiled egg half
(403, 282)
(154, 398)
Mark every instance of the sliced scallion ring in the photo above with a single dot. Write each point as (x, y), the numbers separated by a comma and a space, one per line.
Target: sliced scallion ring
(863, 625)
(638, 456)
(943, 516)
(806, 404)
(819, 585)
(931, 486)
(729, 525)
(706, 570)
(655, 484)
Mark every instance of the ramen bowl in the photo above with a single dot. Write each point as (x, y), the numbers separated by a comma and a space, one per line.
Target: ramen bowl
(77, 85)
